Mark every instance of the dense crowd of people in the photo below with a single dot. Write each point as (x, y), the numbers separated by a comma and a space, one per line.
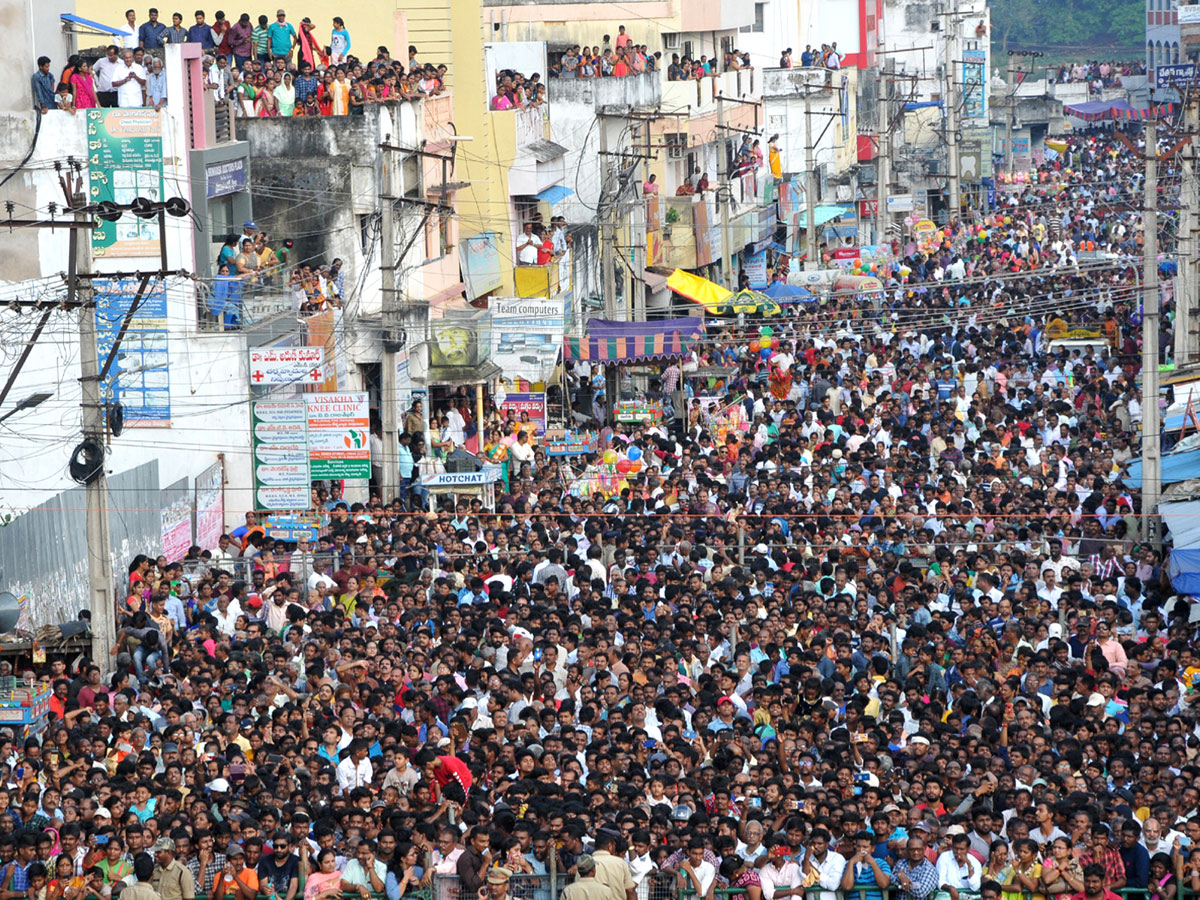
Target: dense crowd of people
(901, 632)
(270, 69)
(1099, 75)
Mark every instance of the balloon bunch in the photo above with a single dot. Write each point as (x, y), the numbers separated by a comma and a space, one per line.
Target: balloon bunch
(627, 463)
(766, 344)
(860, 267)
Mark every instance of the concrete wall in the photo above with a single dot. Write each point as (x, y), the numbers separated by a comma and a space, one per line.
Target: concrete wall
(312, 177)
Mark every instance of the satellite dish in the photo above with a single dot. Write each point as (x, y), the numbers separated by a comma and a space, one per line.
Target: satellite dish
(10, 611)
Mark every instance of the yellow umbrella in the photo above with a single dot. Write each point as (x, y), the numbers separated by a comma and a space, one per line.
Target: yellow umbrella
(1059, 146)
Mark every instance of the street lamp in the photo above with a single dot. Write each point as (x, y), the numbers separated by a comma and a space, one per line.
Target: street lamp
(28, 403)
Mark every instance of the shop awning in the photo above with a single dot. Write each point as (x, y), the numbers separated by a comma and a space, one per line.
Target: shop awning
(1097, 110)
(655, 281)
(821, 214)
(609, 341)
(72, 19)
(1175, 467)
(544, 151)
(789, 293)
(554, 193)
(698, 290)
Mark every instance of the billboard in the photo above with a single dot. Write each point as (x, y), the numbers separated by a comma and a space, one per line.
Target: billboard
(527, 335)
(125, 161)
(974, 82)
(338, 427)
(210, 505)
(279, 454)
(140, 375)
(287, 365)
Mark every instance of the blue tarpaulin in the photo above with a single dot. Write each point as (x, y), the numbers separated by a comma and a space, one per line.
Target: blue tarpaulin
(1184, 569)
(789, 293)
(88, 23)
(554, 193)
(1176, 467)
(922, 104)
(821, 214)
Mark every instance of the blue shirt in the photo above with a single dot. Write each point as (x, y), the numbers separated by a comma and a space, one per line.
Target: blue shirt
(202, 35)
(152, 35)
(43, 91)
(282, 37)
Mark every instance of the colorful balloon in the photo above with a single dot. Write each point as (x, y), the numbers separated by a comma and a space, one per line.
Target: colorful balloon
(766, 330)
(610, 456)
(755, 346)
(634, 453)
(636, 466)
(624, 466)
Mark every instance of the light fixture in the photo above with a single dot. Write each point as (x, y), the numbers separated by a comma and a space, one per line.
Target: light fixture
(28, 403)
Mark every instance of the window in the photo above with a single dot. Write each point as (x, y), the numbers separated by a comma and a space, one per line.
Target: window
(759, 15)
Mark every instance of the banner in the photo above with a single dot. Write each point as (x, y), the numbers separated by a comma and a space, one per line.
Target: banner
(533, 404)
(287, 365)
(527, 335)
(210, 506)
(125, 157)
(755, 267)
(338, 443)
(176, 505)
(139, 377)
(974, 80)
(279, 449)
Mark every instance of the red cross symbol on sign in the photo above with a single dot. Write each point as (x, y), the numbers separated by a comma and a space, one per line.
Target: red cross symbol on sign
(315, 374)
(257, 376)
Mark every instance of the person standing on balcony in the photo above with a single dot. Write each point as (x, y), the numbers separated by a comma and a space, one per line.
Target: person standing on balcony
(200, 33)
(241, 41)
(623, 40)
(339, 42)
(283, 37)
(43, 87)
(570, 63)
(774, 159)
(176, 34)
(527, 246)
(153, 34)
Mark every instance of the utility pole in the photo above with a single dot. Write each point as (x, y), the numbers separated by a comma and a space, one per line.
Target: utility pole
(951, 100)
(389, 388)
(1151, 448)
(723, 195)
(101, 602)
(1186, 294)
(812, 262)
(1010, 111)
(884, 167)
(606, 237)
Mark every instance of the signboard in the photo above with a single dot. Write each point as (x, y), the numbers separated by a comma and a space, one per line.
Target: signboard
(293, 527)
(1188, 14)
(125, 156)
(210, 505)
(479, 258)
(755, 267)
(226, 177)
(1183, 73)
(279, 448)
(488, 475)
(526, 336)
(898, 203)
(533, 404)
(338, 444)
(176, 506)
(139, 378)
(287, 365)
(974, 80)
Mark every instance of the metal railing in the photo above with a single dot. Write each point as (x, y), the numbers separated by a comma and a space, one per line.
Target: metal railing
(521, 886)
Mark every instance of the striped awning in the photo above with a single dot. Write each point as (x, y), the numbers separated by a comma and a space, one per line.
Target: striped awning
(1096, 110)
(632, 342)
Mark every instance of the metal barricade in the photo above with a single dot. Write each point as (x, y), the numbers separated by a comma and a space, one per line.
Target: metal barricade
(658, 885)
(520, 887)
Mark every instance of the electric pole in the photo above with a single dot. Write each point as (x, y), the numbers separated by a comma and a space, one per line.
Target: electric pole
(812, 262)
(101, 601)
(723, 195)
(1185, 348)
(389, 387)
(606, 229)
(1151, 448)
(951, 101)
(884, 167)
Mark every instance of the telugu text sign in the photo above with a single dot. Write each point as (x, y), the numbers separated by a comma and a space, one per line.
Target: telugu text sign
(287, 365)
(338, 444)
(280, 455)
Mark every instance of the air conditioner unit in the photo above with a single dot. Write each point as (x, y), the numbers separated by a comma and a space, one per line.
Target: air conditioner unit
(676, 145)
(672, 40)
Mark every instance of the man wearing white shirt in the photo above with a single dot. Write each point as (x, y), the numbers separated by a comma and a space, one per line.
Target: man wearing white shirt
(129, 31)
(828, 865)
(957, 869)
(129, 79)
(780, 877)
(355, 770)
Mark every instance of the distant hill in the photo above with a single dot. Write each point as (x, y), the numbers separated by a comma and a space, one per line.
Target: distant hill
(1070, 29)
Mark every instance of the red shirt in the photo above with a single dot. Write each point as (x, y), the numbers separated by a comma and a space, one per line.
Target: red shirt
(452, 769)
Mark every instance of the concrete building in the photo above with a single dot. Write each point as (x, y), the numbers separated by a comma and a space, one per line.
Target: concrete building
(1163, 34)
